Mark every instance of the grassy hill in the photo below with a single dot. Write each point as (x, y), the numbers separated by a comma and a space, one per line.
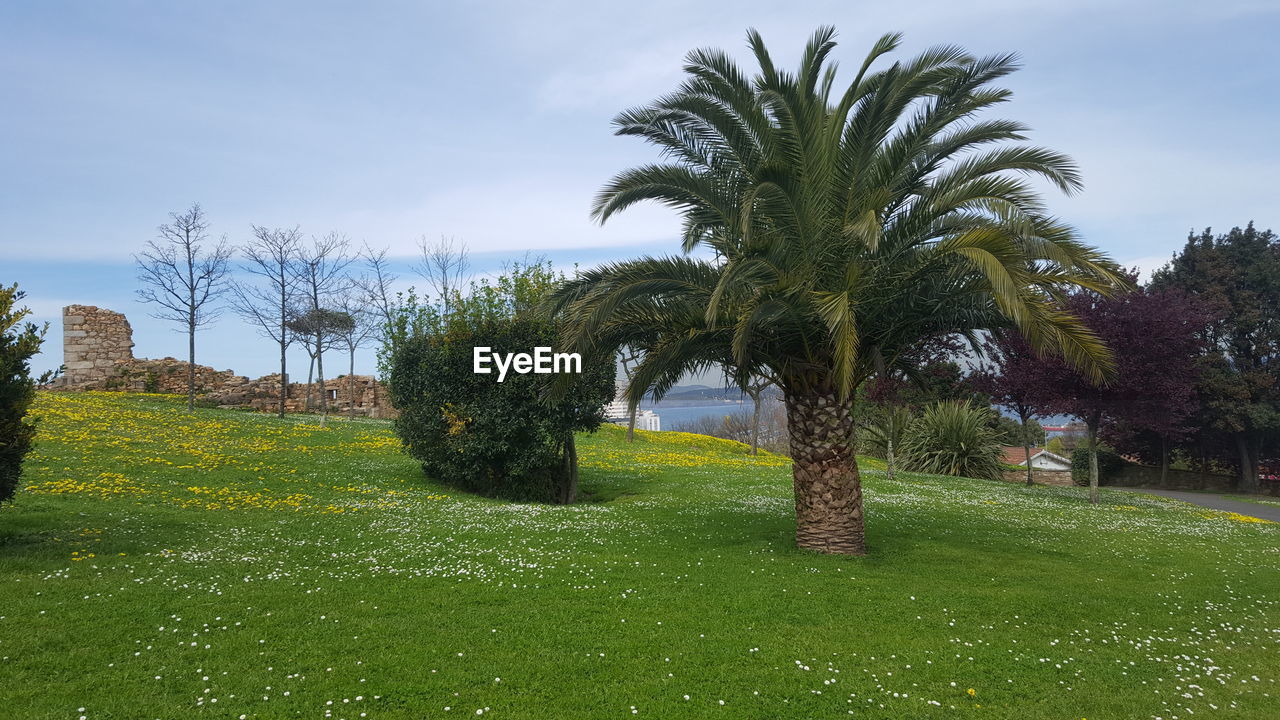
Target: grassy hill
(161, 565)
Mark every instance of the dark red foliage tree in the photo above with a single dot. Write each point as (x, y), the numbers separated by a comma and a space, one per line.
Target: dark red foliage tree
(1014, 380)
(1152, 336)
(927, 374)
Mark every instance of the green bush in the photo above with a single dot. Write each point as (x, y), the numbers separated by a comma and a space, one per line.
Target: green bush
(1109, 464)
(954, 437)
(510, 439)
(19, 341)
(474, 433)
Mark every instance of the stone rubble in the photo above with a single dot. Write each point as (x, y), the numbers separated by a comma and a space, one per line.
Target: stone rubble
(97, 347)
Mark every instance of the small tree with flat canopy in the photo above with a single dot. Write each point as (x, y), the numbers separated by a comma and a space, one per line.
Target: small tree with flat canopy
(322, 329)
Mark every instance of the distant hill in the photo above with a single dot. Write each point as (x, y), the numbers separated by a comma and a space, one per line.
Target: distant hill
(693, 395)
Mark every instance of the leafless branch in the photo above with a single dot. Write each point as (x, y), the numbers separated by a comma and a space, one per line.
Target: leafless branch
(375, 285)
(267, 301)
(183, 278)
(443, 264)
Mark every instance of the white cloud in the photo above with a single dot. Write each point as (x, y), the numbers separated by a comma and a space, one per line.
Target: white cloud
(1146, 264)
(513, 214)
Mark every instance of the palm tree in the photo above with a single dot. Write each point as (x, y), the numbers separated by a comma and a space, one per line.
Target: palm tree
(842, 229)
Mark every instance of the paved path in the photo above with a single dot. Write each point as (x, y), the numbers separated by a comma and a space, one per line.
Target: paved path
(1217, 502)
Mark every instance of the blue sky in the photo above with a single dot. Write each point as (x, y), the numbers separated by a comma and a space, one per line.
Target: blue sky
(489, 122)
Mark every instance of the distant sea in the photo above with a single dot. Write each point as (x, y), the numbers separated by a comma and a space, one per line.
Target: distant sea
(671, 418)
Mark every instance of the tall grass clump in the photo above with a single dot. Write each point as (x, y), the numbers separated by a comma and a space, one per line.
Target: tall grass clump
(954, 437)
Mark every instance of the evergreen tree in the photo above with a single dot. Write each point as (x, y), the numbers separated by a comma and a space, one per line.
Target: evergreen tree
(1236, 279)
(19, 342)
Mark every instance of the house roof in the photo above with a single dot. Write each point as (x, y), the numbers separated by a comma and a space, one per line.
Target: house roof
(1018, 456)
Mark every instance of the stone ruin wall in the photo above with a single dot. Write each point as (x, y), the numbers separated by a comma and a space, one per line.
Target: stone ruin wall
(97, 354)
(263, 394)
(94, 341)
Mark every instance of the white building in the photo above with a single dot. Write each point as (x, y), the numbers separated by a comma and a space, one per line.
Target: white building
(616, 412)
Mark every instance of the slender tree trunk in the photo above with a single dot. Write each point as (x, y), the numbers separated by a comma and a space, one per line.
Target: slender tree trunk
(1093, 460)
(828, 491)
(755, 424)
(191, 362)
(191, 330)
(284, 339)
(311, 374)
(324, 392)
(284, 377)
(351, 384)
(569, 477)
(631, 413)
(1248, 465)
(1026, 447)
(888, 457)
(1164, 460)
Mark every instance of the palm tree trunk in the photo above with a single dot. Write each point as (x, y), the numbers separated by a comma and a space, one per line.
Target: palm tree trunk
(825, 473)
(888, 458)
(631, 423)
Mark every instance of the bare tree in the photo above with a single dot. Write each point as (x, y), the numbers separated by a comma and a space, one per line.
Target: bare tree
(351, 336)
(375, 285)
(183, 278)
(755, 390)
(443, 265)
(321, 275)
(266, 303)
(630, 356)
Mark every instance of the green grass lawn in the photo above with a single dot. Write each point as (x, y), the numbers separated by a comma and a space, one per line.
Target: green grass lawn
(221, 564)
(1274, 502)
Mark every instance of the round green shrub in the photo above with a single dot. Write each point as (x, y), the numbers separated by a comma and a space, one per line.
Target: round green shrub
(510, 439)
